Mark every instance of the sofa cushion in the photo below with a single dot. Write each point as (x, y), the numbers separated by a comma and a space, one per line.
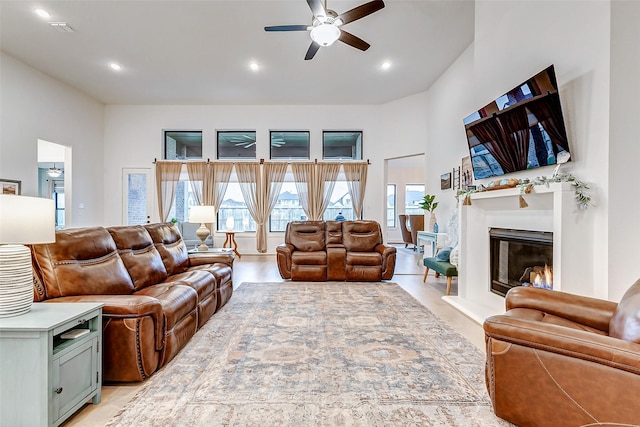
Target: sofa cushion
(625, 322)
(309, 258)
(82, 261)
(178, 301)
(364, 258)
(334, 233)
(139, 255)
(361, 236)
(169, 244)
(202, 281)
(306, 236)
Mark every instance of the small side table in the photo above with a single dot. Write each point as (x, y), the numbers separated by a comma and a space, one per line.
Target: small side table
(230, 242)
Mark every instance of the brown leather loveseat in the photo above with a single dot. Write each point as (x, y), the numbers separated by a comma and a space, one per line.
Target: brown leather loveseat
(557, 359)
(155, 294)
(335, 250)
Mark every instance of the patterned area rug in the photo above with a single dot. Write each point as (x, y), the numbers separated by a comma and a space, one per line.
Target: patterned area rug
(319, 354)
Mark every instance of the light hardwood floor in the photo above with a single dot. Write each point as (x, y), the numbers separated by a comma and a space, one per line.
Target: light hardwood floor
(262, 268)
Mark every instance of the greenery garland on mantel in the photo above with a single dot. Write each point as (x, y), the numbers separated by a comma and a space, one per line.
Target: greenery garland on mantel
(526, 186)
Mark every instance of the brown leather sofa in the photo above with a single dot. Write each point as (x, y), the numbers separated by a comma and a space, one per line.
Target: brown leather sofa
(335, 250)
(556, 359)
(156, 295)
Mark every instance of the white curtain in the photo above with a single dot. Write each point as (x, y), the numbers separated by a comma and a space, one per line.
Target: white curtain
(356, 174)
(167, 177)
(315, 183)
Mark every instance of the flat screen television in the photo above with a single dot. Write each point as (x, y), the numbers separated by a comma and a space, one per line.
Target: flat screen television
(522, 129)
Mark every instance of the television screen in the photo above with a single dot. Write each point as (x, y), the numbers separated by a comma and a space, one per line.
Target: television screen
(522, 129)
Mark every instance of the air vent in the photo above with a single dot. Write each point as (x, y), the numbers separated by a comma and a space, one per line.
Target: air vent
(61, 27)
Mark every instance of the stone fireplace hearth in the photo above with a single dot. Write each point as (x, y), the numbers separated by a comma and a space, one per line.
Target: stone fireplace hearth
(551, 210)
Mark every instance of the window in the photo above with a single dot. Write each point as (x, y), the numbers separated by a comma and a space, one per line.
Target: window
(413, 195)
(233, 205)
(391, 205)
(288, 206)
(182, 145)
(343, 145)
(287, 145)
(236, 145)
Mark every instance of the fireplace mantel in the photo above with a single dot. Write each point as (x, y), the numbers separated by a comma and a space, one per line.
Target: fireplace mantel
(551, 208)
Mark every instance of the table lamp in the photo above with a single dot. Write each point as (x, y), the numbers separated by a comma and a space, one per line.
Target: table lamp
(202, 215)
(23, 220)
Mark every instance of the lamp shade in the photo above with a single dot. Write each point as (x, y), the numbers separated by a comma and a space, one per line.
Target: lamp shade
(202, 214)
(26, 220)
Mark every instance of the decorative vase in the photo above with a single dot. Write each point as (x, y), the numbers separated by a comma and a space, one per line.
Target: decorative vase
(432, 221)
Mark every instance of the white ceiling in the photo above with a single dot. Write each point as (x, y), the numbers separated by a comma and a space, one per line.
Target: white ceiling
(197, 52)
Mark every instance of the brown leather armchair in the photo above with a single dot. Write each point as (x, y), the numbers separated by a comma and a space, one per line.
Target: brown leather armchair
(333, 250)
(556, 359)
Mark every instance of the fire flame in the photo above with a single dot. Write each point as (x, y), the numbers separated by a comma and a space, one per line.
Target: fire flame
(548, 277)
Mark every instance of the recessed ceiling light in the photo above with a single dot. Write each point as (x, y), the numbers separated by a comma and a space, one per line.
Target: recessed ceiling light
(254, 66)
(115, 66)
(386, 65)
(42, 13)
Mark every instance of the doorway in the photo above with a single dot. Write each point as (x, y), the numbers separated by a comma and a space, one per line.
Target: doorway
(405, 181)
(54, 179)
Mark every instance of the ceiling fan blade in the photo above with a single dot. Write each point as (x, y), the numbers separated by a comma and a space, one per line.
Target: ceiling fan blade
(287, 28)
(316, 7)
(361, 11)
(354, 41)
(311, 52)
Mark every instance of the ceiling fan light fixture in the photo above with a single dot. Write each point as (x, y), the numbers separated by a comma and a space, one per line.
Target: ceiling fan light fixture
(325, 34)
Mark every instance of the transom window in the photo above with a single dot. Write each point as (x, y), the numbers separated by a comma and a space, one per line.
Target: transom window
(342, 145)
(179, 145)
(289, 145)
(234, 145)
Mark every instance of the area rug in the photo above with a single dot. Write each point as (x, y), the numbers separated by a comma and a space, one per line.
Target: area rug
(319, 354)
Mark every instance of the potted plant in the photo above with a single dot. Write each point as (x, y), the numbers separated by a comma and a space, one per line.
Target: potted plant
(429, 204)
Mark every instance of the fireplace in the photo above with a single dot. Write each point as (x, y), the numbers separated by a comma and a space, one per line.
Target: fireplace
(520, 257)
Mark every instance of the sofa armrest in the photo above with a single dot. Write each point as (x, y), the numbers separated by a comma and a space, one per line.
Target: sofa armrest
(126, 306)
(388, 260)
(211, 258)
(592, 312)
(284, 252)
(569, 342)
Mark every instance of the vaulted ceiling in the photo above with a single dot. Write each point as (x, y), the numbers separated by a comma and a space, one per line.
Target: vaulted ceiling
(198, 52)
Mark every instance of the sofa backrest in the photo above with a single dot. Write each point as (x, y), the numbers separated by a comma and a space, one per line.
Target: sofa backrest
(306, 236)
(169, 244)
(625, 322)
(334, 233)
(361, 236)
(82, 261)
(139, 254)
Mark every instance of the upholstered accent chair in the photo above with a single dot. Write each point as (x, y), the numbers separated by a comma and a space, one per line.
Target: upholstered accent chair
(406, 233)
(557, 359)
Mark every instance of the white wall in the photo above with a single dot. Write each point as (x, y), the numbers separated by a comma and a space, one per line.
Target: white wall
(133, 138)
(448, 101)
(35, 106)
(513, 41)
(624, 149)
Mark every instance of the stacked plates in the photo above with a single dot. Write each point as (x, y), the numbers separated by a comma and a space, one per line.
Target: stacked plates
(16, 280)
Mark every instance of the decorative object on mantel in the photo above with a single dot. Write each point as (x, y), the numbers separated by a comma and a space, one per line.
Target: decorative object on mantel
(501, 184)
(428, 203)
(582, 198)
(526, 187)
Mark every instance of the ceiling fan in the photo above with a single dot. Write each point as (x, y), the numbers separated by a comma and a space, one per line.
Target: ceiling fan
(325, 25)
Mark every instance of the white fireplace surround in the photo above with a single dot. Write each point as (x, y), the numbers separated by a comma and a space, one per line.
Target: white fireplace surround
(552, 208)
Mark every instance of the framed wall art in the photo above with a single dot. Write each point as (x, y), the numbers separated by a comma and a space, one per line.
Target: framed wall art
(445, 181)
(466, 173)
(10, 186)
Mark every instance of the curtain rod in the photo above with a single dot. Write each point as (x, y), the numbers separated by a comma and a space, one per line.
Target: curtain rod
(155, 160)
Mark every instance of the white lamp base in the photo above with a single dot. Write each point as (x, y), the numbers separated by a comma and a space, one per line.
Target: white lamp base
(202, 232)
(16, 280)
